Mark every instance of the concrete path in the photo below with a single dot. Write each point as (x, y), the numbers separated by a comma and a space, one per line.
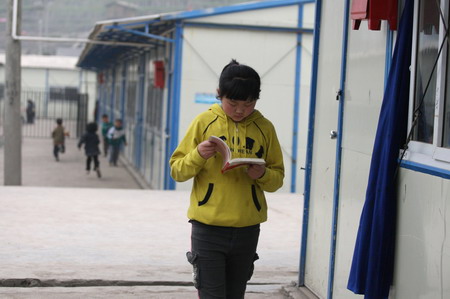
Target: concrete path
(39, 168)
(110, 242)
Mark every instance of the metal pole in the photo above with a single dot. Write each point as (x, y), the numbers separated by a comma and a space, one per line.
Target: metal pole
(12, 120)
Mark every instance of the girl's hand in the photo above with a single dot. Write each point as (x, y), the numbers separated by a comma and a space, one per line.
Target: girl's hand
(256, 171)
(206, 149)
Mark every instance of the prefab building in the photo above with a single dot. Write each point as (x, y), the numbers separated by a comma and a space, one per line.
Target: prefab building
(55, 86)
(158, 72)
(376, 216)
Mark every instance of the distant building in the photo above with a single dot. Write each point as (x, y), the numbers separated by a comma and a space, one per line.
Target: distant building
(171, 74)
(121, 9)
(45, 80)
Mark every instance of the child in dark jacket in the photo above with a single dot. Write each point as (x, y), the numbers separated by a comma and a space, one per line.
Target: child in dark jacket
(91, 141)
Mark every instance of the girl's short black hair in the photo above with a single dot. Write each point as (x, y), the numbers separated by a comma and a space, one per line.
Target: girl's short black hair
(239, 82)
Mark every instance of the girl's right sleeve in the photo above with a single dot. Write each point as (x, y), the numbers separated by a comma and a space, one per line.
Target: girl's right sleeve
(186, 161)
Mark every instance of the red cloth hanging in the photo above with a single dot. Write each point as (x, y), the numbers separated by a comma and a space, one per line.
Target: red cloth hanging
(374, 11)
(160, 74)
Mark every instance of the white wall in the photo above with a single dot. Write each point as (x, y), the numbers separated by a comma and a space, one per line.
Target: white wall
(422, 251)
(35, 75)
(319, 229)
(422, 266)
(272, 54)
(363, 98)
(286, 16)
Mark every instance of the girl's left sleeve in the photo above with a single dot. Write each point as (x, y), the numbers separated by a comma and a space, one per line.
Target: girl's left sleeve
(272, 180)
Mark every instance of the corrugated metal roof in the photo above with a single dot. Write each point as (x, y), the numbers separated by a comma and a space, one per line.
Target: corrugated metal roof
(99, 56)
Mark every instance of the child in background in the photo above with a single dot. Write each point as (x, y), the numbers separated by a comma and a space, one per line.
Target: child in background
(226, 209)
(59, 135)
(106, 125)
(91, 141)
(116, 137)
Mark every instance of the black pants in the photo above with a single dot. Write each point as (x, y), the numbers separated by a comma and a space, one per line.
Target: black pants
(58, 148)
(114, 155)
(105, 146)
(88, 162)
(222, 258)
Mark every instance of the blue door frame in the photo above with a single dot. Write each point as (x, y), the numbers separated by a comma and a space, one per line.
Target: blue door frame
(174, 103)
(123, 92)
(139, 113)
(298, 70)
(113, 94)
(310, 142)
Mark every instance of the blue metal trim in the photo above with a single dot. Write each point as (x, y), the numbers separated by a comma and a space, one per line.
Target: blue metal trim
(139, 114)
(250, 27)
(167, 177)
(105, 95)
(149, 21)
(101, 89)
(113, 93)
(97, 102)
(337, 171)
(123, 92)
(388, 59)
(232, 9)
(439, 172)
(175, 106)
(140, 33)
(298, 71)
(310, 142)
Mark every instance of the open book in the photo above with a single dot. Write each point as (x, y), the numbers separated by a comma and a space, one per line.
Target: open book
(229, 163)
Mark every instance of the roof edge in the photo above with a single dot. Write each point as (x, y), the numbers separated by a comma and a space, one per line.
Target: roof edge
(232, 9)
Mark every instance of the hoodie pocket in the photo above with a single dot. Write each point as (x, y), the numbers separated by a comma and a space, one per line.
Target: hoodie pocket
(208, 195)
(255, 198)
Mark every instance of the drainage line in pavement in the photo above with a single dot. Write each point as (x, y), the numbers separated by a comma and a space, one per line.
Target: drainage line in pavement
(38, 283)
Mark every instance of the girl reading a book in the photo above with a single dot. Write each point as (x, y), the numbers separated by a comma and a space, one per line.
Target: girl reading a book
(226, 208)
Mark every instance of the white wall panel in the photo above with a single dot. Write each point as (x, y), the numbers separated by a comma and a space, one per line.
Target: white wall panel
(364, 87)
(277, 17)
(423, 249)
(305, 88)
(363, 98)
(319, 230)
(33, 78)
(272, 55)
(353, 178)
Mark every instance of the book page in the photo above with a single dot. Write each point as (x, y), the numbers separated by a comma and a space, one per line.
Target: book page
(222, 148)
(228, 164)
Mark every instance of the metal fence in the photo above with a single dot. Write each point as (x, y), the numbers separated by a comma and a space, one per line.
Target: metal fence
(41, 109)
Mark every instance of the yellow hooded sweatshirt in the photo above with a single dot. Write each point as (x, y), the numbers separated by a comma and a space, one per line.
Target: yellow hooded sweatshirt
(230, 199)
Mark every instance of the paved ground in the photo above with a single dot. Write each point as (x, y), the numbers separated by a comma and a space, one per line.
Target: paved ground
(39, 168)
(108, 239)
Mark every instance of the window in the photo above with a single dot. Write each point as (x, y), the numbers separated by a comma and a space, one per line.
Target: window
(132, 88)
(154, 98)
(64, 93)
(430, 86)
